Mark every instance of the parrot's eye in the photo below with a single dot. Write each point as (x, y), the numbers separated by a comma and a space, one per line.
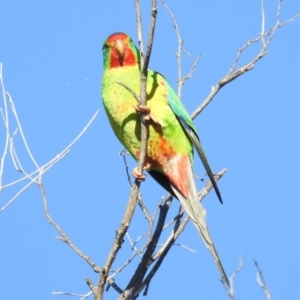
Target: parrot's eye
(105, 47)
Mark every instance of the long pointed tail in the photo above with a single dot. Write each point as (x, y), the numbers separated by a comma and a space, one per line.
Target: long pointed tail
(197, 213)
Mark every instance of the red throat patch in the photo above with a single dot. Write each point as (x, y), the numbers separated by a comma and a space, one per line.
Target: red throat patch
(129, 58)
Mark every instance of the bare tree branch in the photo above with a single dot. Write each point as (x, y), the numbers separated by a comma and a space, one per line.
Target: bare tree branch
(179, 50)
(230, 289)
(181, 79)
(34, 176)
(136, 280)
(111, 282)
(13, 108)
(63, 236)
(82, 297)
(133, 243)
(136, 253)
(193, 68)
(261, 280)
(6, 124)
(233, 74)
(118, 240)
(123, 153)
(144, 209)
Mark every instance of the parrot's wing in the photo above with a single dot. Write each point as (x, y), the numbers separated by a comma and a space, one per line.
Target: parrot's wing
(189, 128)
(196, 142)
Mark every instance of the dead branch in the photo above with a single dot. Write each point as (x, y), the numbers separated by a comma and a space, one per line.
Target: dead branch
(144, 209)
(181, 79)
(261, 280)
(123, 153)
(64, 236)
(230, 290)
(118, 240)
(34, 176)
(137, 278)
(233, 73)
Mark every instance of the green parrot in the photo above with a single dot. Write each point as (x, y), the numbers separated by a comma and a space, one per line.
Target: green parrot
(172, 134)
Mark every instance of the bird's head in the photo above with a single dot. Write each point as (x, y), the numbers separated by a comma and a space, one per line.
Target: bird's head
(119, 51)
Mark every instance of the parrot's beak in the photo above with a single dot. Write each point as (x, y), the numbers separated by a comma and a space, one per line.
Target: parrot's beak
(119, 46)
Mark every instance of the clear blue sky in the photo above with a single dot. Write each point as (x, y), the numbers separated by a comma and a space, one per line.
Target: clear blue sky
(52, 60)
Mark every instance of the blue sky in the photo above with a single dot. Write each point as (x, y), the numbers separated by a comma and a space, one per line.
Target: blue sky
(52, 67)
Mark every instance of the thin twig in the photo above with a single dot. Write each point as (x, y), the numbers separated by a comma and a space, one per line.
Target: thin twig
(126, 263)
(130, 90)
(193, 68)
(37, 173)
(171, 222)
(261, 280)
(185, 247)
(34, 180)
(179, 50)
(144, 209)
(111, 282)
(63, 236)
(123, 153)
(233, 74)
(229, 289)
(133, 243)
(69, 294)
(13, 108)
(262, 35)
(118, 240)
(181, 79)
(6, 124)
(278, 11)
(91, 286)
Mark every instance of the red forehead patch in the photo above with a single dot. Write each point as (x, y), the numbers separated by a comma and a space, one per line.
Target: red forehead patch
(117, 36)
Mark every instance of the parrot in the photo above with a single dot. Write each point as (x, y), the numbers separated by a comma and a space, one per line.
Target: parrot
(172, 135)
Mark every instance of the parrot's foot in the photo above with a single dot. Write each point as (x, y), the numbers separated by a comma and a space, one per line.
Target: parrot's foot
(142, 109)
(139, 175)
(146, 110)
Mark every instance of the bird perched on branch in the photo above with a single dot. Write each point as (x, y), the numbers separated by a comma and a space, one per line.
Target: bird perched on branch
(172, 134)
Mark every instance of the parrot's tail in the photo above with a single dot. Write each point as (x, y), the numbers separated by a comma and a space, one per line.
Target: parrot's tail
(197, 213)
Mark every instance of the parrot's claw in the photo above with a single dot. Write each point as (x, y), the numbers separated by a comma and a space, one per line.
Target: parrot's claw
(147, 166)
(142, 109)
(138, 175)
(146, 110)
